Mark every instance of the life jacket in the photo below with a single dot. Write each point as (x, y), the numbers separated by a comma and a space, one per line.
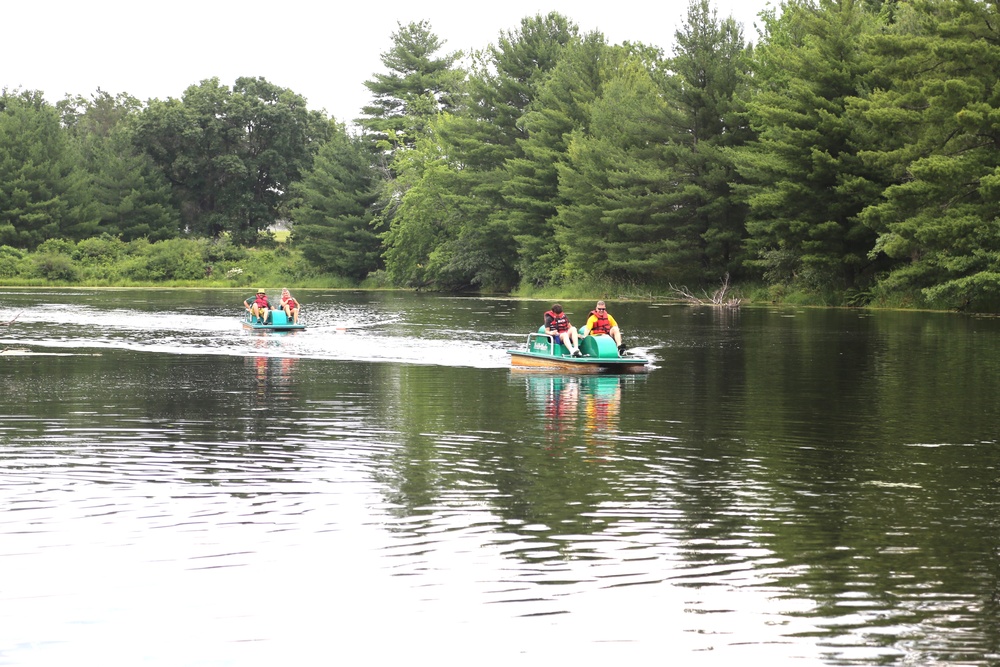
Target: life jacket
(291, 303)
(603, 324)
(261, 301)
(559, 322)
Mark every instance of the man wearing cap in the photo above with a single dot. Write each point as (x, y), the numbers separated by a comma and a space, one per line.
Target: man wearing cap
(258, 305)
(600, 323)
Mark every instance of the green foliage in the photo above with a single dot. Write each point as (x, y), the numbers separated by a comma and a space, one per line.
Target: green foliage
(43, 192)
(55, 267)
(11, 260)
(417, 86)
(57, 246)
(849, 157)
(619, 189)
(171, 260)
(802, 177)
(231, 155)
(133, 199)
(936, 131)
(333, 216)
(100, 250)
(223, 250)
(531, 186)
(711, 67)
(446, 231)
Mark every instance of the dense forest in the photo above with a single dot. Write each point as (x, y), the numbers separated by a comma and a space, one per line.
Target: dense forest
(850, 150)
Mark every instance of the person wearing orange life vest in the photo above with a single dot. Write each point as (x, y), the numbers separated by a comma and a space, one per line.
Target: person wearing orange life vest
(600, 323)
(258, 305)
(557, 324)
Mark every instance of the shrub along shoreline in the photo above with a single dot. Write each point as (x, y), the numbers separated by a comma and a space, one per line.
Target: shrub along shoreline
(203, 263)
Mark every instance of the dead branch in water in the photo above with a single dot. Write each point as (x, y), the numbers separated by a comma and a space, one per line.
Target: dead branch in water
(7, 324)
(717, 298)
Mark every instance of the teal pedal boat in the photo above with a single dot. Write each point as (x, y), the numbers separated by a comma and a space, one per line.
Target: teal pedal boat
(276, 321)
(600, 355)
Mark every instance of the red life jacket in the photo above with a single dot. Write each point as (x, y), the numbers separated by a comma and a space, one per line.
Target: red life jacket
(261, 301)
(603, 324)
(559, 322)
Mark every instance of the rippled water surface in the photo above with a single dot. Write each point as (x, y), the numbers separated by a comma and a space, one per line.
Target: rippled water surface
(783, 487)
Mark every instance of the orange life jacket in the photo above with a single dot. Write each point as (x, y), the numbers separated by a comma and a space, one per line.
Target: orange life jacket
(603, 324)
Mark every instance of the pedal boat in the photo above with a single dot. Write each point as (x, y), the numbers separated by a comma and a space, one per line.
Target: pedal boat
(276, 321)
(600, 355)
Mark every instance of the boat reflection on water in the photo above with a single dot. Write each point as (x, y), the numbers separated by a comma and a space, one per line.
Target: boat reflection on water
(575, 405)
(273, 374)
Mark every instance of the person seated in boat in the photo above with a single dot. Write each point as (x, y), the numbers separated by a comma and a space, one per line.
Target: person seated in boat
(289, 305)
(601, 323)
(557, 324)
(258, 306)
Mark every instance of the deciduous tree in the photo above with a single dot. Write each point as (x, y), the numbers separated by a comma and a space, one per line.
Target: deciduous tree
(231, 155)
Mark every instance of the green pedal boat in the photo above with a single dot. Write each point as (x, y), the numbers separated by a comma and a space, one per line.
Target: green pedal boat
(600, 355)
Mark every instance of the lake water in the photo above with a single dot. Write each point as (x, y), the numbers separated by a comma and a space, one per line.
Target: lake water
(812, 487)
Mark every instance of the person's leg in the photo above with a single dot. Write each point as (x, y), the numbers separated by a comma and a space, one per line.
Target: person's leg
(617, 335)
(572, 342)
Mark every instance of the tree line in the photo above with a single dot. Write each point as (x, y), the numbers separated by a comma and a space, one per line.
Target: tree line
(850, 150)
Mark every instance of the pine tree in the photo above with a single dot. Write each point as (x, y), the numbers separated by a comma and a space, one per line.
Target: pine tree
(333, 217)
(43, 191)
(804, 182)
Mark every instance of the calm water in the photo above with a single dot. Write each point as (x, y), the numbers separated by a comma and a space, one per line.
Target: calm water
(784, 487)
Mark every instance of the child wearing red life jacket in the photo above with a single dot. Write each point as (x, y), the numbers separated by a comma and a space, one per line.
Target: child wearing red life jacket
(289, 305)
(557, 324)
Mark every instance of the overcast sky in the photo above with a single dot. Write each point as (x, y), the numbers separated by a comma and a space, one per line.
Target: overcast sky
(323, 51)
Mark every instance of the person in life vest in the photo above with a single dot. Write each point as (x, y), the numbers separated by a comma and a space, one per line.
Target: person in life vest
(258, 305)
(289, 305)
(600, 323)
(557, 324)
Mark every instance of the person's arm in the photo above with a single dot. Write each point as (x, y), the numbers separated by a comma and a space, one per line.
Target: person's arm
(611, 320)
(548, 322)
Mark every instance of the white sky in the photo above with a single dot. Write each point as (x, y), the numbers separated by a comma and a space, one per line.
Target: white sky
(323, 51)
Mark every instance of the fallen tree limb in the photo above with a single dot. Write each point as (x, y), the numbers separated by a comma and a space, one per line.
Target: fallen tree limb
(10, 322)
(717, 298)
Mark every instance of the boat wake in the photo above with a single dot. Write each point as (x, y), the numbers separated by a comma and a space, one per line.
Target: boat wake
(346, 333)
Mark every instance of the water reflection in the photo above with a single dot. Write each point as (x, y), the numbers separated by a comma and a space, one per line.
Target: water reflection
(580, 409)
(273, 373)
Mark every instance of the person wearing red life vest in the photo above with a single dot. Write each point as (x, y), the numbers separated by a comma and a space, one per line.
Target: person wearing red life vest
(289, 305)
(601, 323)
(258, 305)
(557, 324)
